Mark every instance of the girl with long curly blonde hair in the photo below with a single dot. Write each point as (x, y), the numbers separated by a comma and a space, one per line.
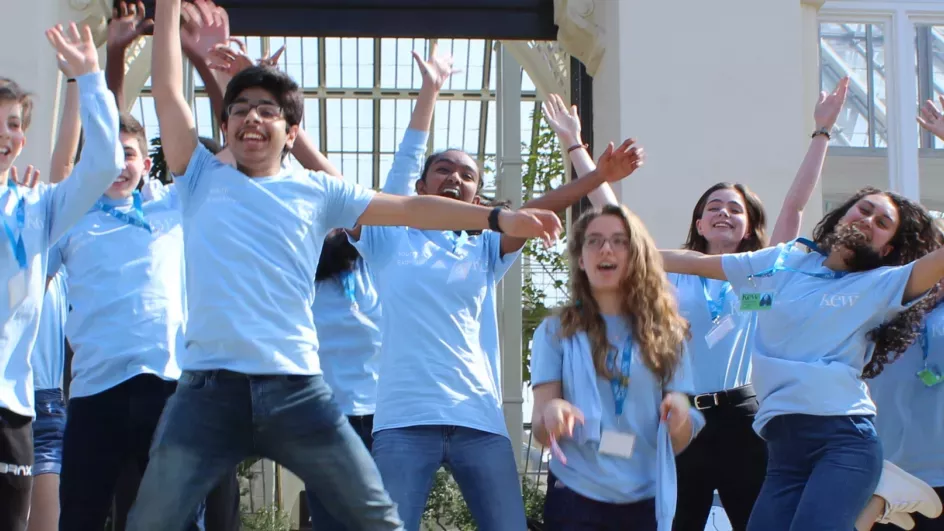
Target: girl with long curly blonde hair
(607, 371)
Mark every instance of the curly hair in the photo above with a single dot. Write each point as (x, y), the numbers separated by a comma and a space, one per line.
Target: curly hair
(648, 306)
(756, 220)
(917, 235)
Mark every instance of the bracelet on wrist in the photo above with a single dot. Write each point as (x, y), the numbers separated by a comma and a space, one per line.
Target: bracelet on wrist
(822, 131)
(70, 80)
(573, 148)
(493, 224)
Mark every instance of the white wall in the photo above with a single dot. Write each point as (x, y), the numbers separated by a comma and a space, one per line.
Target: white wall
(715, 91)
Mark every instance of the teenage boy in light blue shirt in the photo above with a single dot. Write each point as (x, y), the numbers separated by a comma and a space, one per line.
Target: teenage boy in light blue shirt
(251, 382)
(32, 220)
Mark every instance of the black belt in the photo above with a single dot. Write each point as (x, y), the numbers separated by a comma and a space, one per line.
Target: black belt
(730, 397)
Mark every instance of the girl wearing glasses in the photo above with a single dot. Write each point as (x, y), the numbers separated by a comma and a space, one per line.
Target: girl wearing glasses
(610, 382)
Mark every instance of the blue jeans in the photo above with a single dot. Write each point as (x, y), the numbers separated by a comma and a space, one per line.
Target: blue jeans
(48, 428)
(821, 473)
(216, 419)
(483, 464)
(321, 519)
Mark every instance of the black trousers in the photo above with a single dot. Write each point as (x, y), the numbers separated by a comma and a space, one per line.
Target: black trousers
(16, 475)
(727, 456)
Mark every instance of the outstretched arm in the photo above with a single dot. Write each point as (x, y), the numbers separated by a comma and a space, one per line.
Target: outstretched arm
(67, 142)
(827, 111)
(929, 269)
(693, 263)
(615, 164)
(567, 126)
(178, 131)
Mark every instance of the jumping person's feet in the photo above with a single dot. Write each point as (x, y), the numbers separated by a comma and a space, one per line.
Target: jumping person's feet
(904, 493)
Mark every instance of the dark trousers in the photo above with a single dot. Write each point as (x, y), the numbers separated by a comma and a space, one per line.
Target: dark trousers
(922, 523)
(16, 474)
(321, 519)
(727, 456)
(105, 434)
(565, 510)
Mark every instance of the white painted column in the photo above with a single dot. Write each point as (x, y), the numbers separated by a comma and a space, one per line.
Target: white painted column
(715, 91)
(901, 87)
(510, 166)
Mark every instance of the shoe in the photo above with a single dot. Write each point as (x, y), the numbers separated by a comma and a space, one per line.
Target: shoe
(904, 493)
(902, 520)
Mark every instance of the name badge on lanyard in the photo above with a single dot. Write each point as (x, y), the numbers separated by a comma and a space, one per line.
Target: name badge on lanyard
(18, 285)
(930, 376)
(347, 281)
(764, 300)
(613, 442)
(722, 325)
(135, 218)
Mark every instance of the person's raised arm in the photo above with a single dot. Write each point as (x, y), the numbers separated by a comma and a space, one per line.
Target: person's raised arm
(615, 164)
(929, 269)
(408, 160)
(205, 26)
(178, 130)
(126, 25)
(827, 111)
(102, 155)
(693, 263)
(67, 141)
(567, 126)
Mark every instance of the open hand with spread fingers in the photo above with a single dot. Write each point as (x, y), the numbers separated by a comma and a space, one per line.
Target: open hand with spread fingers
(619, 163)
(127, 24)
(30, 179)
(930, 118)
(75, 49)
(530, 223)
(437, 69)
(204, 26)
(565, 122)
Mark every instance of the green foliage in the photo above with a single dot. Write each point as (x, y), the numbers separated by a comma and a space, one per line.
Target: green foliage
(445, 508)
(267, 518)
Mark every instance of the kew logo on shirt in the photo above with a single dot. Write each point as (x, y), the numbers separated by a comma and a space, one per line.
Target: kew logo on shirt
(16, 470)
(838, 300)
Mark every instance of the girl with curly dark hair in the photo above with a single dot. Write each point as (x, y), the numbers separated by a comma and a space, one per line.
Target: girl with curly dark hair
(814, 312)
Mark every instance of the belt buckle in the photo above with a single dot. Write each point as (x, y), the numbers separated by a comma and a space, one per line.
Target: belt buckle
(712, 403)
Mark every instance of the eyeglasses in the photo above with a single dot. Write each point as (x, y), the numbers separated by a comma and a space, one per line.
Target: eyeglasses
(618, 241)
(267, 111)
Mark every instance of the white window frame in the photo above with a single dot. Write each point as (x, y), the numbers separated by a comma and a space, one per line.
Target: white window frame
(898, 20)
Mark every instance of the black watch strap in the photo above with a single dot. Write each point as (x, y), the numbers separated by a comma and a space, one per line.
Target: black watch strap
(493, 219)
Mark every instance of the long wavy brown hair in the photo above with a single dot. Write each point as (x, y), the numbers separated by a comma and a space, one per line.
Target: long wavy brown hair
(756, 220)
(649, 306)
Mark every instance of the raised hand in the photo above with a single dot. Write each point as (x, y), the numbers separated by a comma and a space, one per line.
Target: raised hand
(560, 417)
(931, 119)
(437, 69)
(564, 122)
(530, 223)
(127, 24)
(75, 51)
(830, 105)
(228, 61)
(30, 178)
(619, 163)
(204, 26)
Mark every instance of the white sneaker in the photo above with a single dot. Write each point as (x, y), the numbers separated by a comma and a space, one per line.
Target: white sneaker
(904, 493)
(902, 520)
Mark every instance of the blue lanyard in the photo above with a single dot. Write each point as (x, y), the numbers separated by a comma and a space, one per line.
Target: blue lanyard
(923, 339)
(715, 307)
(16, 239)
(136, 220)
(778, 265)
(347, 281)
(620, 385)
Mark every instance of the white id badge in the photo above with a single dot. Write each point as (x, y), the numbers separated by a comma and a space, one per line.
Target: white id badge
(17, 288)
(719, 331)
(617, 444)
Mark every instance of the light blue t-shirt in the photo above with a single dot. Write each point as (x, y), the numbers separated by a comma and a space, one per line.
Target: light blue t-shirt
(810, 346)
(347, 315)
(597, 476)
(126, 288)
(49, 354)
(440, 359)
(48, 212)
(910, 419)
(252, 248)
(727, 363)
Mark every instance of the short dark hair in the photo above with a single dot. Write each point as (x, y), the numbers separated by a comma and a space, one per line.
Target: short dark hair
(211, 145)
(10, 91)
(130, 125)
(286, 91)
